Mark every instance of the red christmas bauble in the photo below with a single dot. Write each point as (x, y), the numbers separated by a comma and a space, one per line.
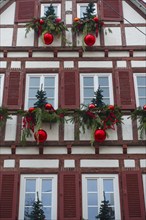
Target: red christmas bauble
(95, 19)
(111, 107)
(144, 107)
(31, 109)
(48, 38)
(99, 135)
(57, 20)
(89, 39)
(90, 106)
(41, 21)
(40, 136)
(48, 106)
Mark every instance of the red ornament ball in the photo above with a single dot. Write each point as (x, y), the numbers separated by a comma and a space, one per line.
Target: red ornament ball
(90, 106)
(144, 107)
(41, 21)
(48, 106)
(89, 40)
(31, 109)
(48, 38)
(40, 136)
(95, 19)
(111, 107)
(57, 20)
(99, 135)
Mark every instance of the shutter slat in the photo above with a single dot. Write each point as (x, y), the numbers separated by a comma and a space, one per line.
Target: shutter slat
(133, 197)
(111, 10)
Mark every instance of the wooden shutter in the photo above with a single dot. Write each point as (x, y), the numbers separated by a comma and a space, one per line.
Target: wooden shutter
(133, 196)
(125, 89)
(25, 10)
(111, 10)
(8, 196)
(13, 90)
(69, 89)
(69, 201)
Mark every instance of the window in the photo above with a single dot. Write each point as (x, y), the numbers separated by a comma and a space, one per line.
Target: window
(90, 84)
(140, 88)
(81, 8)
(94, 187)
(48, 83)
(57, 8)
(1, 87)
(46, 188)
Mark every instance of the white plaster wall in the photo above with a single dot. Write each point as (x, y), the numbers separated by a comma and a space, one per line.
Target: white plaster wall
(18, 54)
(15, 64)
(139, 54)
(68, 130)
(93, 54)
(9, 163)
(83, 150)
(121, 64)
(68, 37)
(68, 54)
(6, 35)
(143, 163)
(131, 15)
(24, 41)
(7, 17)
(113, 38)
(10, 130)
(42, 64)
(39, 163)
(134, 36)
(27, 150)
(110, 150)
(3, 64)
(69, 163)
(69, 19)
(112, 134)
(86, 135)
(68, 5)
(52, 131)
(5, 150)
(43, 54)
(136, 150)
(139, 63)
(99, 64)
(129, 163)
(68, 64)
(99, 163)
(118, 54)
(127, 128)
(1, 54)
(55, 150)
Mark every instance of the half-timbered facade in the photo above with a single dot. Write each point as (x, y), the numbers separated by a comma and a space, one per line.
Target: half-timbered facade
(69, 174)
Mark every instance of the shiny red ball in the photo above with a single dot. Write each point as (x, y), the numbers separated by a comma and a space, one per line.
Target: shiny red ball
(99, 135)
(40, 136)
(48, 106)
(111, 107)
(57, 20)
(41, 21)
(95, 19)
(31, 109)
(144, 107)
(48, 38)
(90, 106)
(89, 40)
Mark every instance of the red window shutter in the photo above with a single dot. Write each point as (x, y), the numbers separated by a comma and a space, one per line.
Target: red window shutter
(111, 10)
(69, 90)
(25, 10)
(133, 196)
(69, 205)
(125, 89)
(8, 196)
(13, 90)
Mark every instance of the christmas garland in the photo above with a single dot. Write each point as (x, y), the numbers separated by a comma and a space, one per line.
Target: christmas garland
(4, 115)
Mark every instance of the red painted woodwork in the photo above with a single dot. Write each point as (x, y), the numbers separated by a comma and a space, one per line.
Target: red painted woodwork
(111, 10)
(69, 206)
(133, 196)
(69, 90)
(125, 89)
(25, 10)
(8, 195)
(13, 90)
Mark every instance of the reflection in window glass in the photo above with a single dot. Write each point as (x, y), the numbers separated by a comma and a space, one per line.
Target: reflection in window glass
(141, 87)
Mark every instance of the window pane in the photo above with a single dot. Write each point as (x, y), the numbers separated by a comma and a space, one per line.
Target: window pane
(141, 80)
(92, 199)
(88, 92)
(110, 198)
(46, 8)
(105, 92)
(31, 102)
(34, 81)
(51, 101)
(49, 81)
(29, 199)
(142, 101)
(46, 199)
(82, 10)
(142, 91)
(27, 212)
(92, 213)
(46, 185)
(88, 81)
(92, 185)
(30, 185)
(106, 101)
(47, 212)
(87, 101)
(108, 185)
(49, 92)
(33, 92)
(103, 81)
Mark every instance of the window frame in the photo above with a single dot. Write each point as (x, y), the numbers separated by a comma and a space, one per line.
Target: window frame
(79, 5)
(1, 88)
(144, 187)
(115, 178)
(48, 4)
(23, 179)
(136, 86)
(55, 75)
(96, 75)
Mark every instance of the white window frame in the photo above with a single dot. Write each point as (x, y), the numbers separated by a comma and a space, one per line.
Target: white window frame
(85, 177)
(22, 192)
(136, 86)
(1, 88)
(41, 76)
(144, 187)
(96, 75)
(79, 5)
(56, 5)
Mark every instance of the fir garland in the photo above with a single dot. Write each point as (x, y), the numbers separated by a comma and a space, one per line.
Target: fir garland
(4, 115)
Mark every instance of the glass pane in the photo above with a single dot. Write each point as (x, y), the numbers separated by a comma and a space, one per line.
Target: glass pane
(55, 9)
(49, 81)
(142, 101)
(51, 101)
(87, 101)
(142, 91)
(88, 92)
(27, 211)
(30, 185)
(34, 81)
(92, 185)
(103, 81)
(105, 92)
(33, 92)
(49, 92)
(47, 212)
(46, 185)
(141, 80)
(106, 101)
(82, 10)
(92, 213)
(46, 199)
(108, 185)
(110, 198)
(88, 81)
(92, 199)
(29, 199)
(31, 102)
